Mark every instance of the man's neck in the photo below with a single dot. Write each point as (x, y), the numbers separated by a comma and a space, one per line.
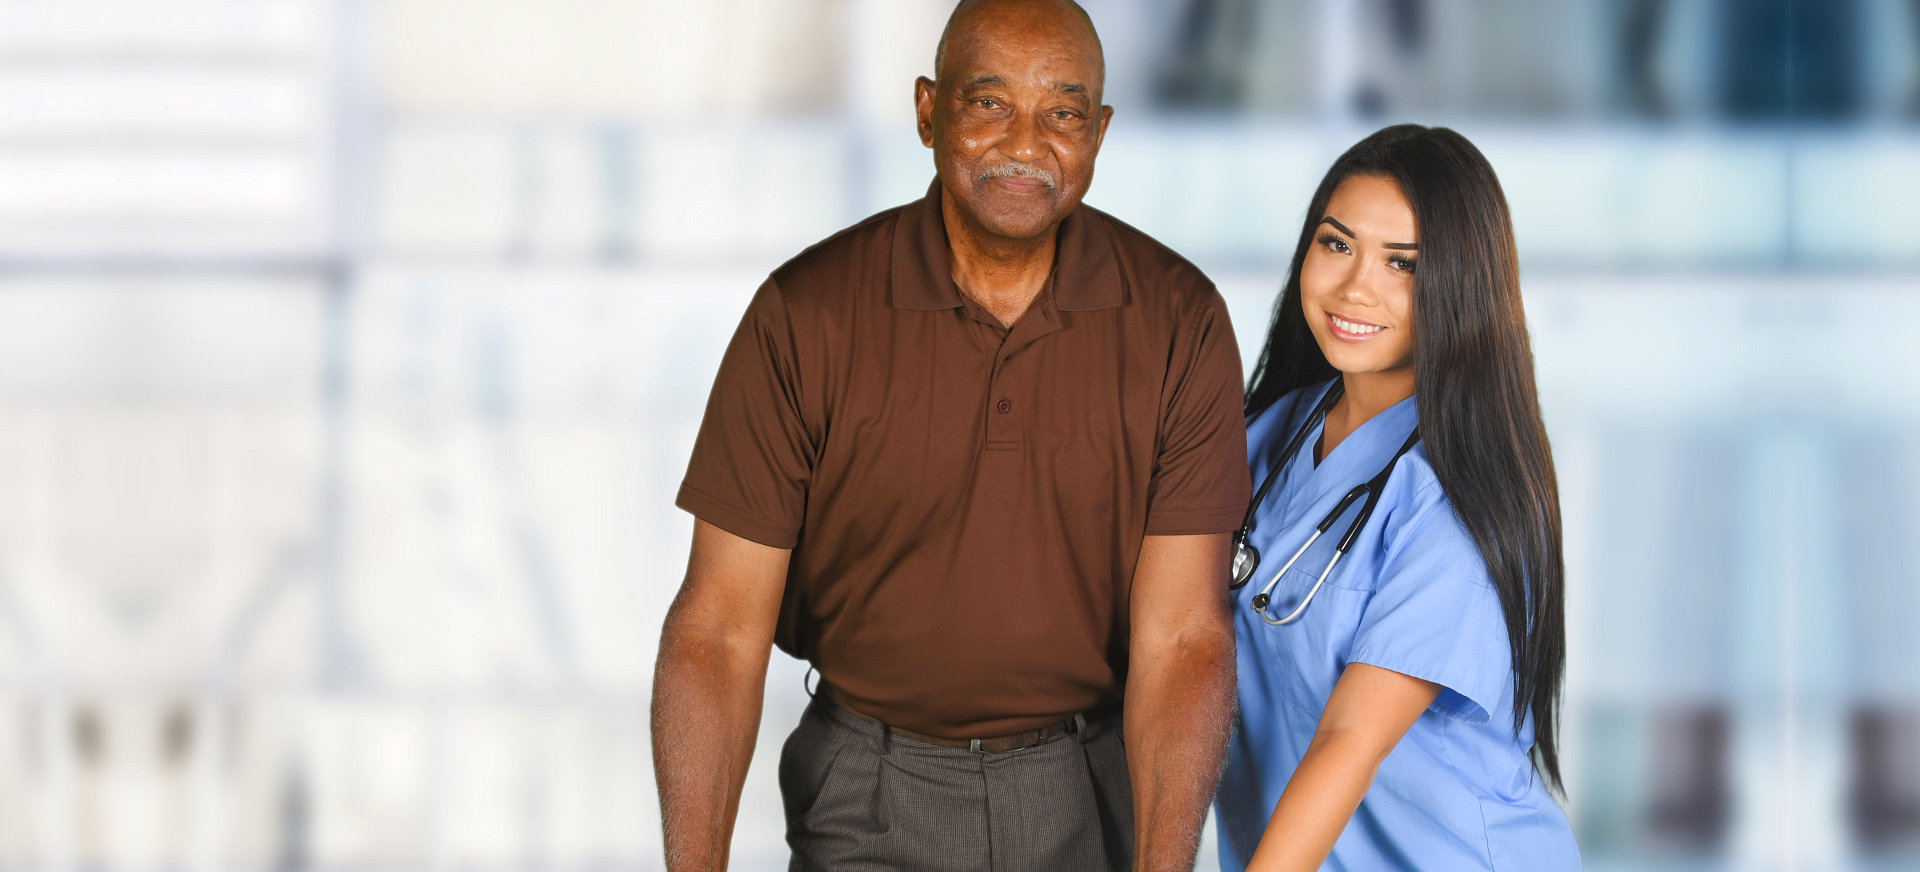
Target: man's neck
(1002, 275)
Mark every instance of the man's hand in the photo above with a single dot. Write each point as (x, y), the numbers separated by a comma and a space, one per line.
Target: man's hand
(1180, 686)
(707, 690)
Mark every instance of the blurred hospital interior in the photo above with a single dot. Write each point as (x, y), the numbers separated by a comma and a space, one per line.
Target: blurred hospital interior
(351, 352)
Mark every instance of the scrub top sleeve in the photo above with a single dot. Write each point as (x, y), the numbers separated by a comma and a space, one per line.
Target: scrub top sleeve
(1436, 615)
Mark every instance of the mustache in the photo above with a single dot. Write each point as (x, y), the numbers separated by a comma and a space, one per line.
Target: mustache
(1013, 169)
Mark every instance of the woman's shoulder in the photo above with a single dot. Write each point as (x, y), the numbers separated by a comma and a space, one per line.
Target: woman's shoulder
(1415, 480)
(1420, 517)
(1270, 429)
(1277, 422)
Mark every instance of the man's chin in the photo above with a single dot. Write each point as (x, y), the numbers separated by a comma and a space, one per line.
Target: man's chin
(1025, 222)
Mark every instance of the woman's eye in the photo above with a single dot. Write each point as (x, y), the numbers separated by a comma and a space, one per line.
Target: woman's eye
(1402, 264)
(1334, 244)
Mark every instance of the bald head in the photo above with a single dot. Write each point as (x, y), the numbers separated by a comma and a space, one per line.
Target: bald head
(1063, 19)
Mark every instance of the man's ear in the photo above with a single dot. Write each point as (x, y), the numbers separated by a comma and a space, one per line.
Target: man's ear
(923, 89)
(1106, 115)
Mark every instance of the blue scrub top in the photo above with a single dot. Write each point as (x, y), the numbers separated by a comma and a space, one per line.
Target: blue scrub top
(1412, 595)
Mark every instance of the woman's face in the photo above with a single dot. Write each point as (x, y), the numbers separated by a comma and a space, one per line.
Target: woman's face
(1356, 283)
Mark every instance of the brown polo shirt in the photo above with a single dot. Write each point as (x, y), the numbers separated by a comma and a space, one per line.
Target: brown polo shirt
(966, 503)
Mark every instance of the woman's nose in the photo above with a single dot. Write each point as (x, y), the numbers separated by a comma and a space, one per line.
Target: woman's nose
(1357, 285)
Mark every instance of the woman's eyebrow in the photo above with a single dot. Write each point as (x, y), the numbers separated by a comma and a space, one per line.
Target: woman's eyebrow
(1338, 226)
(1400, 246)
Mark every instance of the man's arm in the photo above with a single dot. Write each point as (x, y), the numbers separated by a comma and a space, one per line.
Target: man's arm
(707, 689)
(1370, 709)
(1179, 701)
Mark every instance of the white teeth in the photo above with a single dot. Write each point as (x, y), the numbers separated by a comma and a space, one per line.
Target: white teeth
(1351, 327)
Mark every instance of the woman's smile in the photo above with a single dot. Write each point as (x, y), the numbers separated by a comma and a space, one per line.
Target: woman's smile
(1351, 329)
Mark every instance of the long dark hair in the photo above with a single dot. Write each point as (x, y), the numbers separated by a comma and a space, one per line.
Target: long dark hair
(1473, 373)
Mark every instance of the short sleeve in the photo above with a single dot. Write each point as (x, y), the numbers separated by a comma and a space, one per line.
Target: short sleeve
(1436, 616)
(753, 458)
(1200, 482)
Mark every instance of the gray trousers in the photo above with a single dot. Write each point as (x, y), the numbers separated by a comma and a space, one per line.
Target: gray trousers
(860, 798)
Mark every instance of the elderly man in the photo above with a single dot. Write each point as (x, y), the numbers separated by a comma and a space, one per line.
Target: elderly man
(977, 459)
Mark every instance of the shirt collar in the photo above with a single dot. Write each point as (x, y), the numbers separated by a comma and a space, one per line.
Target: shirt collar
(922, 260)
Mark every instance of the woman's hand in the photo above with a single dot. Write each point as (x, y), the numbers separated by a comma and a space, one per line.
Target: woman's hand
(1370, 709)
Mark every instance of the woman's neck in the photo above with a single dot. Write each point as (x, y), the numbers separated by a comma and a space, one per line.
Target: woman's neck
(1362, 396)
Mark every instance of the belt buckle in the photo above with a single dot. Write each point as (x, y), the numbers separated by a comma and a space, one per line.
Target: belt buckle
(973, 746)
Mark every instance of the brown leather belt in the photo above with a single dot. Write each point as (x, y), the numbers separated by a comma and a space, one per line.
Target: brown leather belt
(993, 745)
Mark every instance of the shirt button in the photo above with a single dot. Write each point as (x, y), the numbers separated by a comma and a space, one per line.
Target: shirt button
(1005, 406)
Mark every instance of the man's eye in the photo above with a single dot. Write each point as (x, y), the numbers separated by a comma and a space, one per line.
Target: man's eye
(986, 103)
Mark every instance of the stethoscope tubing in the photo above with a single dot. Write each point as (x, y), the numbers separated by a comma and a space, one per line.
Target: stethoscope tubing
(1371, 489)
(1261, 599)
(1320, 409)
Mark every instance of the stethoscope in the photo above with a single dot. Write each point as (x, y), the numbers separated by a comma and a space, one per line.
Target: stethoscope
(1246, 558)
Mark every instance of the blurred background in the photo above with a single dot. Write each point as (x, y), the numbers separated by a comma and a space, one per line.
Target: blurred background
(351, 353)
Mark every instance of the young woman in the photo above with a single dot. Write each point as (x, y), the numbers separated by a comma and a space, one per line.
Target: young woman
(1398, 583)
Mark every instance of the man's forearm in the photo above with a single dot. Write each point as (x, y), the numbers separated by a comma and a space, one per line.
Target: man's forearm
(706, 716)
(1179, 708)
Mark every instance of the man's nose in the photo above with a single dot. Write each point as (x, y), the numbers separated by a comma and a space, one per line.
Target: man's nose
(1023, 142)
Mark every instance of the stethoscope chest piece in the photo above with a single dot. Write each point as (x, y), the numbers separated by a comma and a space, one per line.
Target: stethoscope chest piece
(1245, 559)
